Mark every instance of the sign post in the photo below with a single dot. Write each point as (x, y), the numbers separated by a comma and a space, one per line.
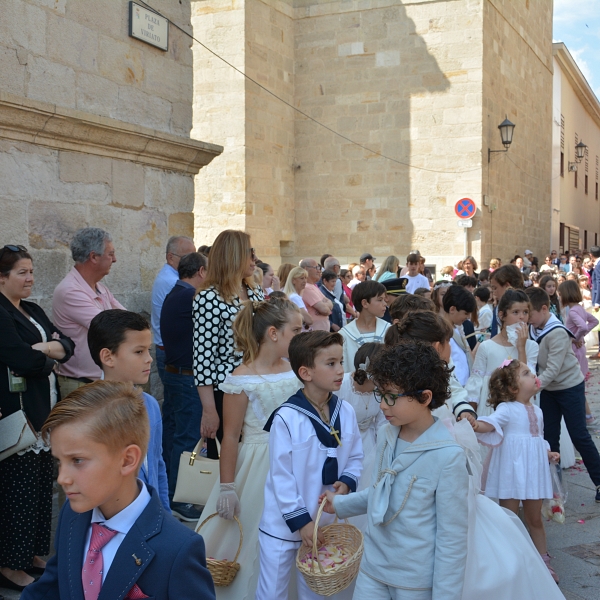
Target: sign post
(465, 208)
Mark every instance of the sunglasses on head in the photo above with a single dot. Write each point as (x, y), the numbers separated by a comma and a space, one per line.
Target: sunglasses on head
(12, 248)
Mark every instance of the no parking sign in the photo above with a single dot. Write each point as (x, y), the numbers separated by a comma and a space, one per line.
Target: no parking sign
(465, 208)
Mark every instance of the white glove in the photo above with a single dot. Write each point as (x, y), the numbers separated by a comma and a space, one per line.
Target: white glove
(228, 503)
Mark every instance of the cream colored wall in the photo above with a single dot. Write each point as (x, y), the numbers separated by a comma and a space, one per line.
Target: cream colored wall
(269, 126)
(517, 81)
(220, 115)
(404, 80)
(576, 207)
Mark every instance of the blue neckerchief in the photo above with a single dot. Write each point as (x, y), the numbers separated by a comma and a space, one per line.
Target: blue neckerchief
(324, 432)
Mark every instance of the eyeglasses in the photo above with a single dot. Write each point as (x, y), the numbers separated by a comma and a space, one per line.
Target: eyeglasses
(318, 268)
(390, 399)
(12, 248)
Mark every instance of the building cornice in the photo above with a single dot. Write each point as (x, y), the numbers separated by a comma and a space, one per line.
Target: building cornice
(577, 80)
(60, 128)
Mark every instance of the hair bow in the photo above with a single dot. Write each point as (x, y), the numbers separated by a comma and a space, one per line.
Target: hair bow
(363, 366)
(506, 363)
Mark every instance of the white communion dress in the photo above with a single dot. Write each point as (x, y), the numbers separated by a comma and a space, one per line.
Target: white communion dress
(518, 466)
(370, 419)
(490, 356)
(265, 393)
(502, 561)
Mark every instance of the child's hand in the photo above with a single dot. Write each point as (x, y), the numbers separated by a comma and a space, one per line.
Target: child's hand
(328, 508)
(471, 418)
(553, 456)
(341, 488)
(307, 533)
(522, 336)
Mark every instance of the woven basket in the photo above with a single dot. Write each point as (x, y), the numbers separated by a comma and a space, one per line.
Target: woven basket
(223, 571)
(327, 583)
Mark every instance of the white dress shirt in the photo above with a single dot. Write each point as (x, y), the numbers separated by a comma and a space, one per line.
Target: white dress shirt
(122, 522)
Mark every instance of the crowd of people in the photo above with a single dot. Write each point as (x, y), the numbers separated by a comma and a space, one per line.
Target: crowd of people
(363, 388)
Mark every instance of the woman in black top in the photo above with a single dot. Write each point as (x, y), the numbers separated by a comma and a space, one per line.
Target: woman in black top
(228, 283)
(31, 347)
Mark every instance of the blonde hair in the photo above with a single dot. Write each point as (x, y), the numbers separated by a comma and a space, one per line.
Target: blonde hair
(494, 263)
(283, 273)
(113, 411)
(390, 265)
(447, 270)
(253, 321)
(296, 272)
(227, 264)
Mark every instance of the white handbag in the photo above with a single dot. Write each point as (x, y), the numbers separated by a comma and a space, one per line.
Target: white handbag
(196, 476)
(16, 433)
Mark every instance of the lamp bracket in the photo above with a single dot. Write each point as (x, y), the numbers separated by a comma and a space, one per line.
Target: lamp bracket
(572, 167)
(490, 152)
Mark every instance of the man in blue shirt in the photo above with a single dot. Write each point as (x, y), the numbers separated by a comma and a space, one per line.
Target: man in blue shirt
(177, 246)
(186, 409)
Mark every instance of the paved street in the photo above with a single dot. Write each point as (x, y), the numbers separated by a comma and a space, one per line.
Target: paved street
(574, 546)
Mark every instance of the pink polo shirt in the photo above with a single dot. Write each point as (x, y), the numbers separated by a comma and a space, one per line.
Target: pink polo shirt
(311, 295)
(74, 305)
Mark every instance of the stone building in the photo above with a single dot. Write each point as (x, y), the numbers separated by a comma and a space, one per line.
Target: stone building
(423, 82)
(95, 130)
(575, 119)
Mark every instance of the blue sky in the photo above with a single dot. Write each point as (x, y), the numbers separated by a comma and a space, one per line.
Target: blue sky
(577, 24)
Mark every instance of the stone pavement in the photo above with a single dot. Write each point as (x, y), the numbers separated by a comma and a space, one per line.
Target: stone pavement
(574, 546)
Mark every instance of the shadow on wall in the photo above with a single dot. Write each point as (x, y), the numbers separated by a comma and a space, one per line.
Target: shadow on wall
(356, 72)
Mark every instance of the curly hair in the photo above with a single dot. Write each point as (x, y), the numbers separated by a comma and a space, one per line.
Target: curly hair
(368, 350)
(504, 384)
(412, 367)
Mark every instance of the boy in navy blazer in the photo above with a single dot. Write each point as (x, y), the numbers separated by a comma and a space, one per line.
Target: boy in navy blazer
(114, 540)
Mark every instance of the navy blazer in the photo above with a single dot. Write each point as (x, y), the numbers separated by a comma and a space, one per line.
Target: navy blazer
(596, 284)
(171, 556)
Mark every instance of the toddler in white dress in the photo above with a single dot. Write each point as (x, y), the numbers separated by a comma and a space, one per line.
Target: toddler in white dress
(519, 469)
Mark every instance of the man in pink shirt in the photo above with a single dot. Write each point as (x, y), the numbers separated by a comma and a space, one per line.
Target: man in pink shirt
(318, 307)
(78, 298)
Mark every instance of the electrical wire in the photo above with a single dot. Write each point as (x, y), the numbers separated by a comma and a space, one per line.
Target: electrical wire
(301, 112)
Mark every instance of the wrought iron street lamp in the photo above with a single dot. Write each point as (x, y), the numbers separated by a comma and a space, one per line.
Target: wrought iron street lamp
(506, 134)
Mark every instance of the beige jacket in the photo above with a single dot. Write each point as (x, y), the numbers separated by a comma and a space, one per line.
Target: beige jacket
(557, 365)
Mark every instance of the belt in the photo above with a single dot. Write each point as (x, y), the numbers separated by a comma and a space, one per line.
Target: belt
(81, 379)
(160, 347)
(178, 370)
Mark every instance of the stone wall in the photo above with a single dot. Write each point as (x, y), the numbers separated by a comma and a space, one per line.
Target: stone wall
(517, 81)
(94, 131)
(423, 82)
(404, 80)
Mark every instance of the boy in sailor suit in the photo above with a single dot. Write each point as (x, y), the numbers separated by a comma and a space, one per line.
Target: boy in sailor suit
(314, 447)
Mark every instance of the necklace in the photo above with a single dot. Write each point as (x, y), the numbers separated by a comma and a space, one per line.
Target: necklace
(365, 396)
(319, 409)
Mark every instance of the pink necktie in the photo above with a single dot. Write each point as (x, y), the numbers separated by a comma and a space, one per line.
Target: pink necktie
(91, 574)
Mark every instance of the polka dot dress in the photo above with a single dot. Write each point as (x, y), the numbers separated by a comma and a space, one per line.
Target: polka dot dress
(25, 508)
(214, 349)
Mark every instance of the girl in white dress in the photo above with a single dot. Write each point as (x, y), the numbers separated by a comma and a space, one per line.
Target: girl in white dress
(513, 308)
(519, 470)
(264, 380)
(358, 390)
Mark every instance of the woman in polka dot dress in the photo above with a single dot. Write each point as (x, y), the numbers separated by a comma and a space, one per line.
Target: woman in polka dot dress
(229, 282)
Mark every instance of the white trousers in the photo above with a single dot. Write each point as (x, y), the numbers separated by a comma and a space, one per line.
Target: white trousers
(367, 587)
(277, 559)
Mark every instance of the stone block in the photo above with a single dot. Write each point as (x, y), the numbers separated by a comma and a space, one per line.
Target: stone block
(57, 6)
(127, 184)
(102, 15)
(84, 168)
(137, 107)
(13, 73)
(51, 82)
(52, 224)
(72, 44)
(121, 62)
(181, 224)
(97, 95)
(168, 191)
(50, 267)
(182, 118)
(24, 25)
(13, 224)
